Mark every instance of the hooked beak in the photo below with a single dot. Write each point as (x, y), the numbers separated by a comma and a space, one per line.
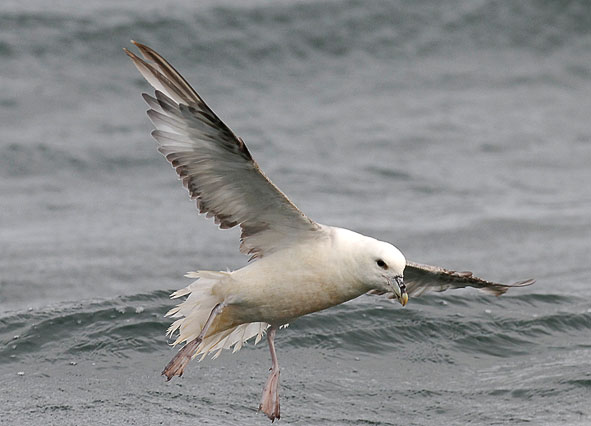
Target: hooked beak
(402, 294)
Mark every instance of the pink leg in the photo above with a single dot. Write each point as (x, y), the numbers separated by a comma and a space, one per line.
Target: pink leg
(177, 365)
(270, 400)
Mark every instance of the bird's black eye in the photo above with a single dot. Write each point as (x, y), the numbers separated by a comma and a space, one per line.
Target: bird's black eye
(382, 264)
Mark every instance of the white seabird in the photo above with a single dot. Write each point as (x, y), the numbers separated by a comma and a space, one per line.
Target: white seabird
(299, 266)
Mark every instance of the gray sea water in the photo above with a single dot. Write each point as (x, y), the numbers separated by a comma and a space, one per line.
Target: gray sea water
(459, 130)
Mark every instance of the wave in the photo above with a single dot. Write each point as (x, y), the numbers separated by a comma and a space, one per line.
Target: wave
(109, 327)
(296, 30)
(33, 159)
(281, 35)
(503, 327)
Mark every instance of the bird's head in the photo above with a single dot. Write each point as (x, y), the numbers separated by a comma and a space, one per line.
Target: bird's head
(385, 269)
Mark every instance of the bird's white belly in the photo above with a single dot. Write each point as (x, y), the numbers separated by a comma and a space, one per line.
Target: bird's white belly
(279, 296)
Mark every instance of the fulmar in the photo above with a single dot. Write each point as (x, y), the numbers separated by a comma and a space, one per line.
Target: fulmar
(297, 266)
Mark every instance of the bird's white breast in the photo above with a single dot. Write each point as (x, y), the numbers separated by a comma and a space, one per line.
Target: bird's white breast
(305, 278)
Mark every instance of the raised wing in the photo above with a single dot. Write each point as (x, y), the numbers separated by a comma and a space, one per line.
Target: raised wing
(214, 164)
(420, 278)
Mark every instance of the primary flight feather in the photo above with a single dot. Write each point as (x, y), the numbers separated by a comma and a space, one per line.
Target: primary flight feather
(299, 266)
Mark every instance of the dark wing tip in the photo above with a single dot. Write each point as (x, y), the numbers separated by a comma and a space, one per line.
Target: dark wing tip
(135, 43)
(145, 50)
(138, 45)
(523, 283)
(501, 289)
(132, 55)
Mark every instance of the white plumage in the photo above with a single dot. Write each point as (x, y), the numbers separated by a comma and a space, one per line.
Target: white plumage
(299, 265)
(193, 312)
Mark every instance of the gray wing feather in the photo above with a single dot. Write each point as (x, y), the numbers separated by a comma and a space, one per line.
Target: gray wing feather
(214, 164)
(420, 278)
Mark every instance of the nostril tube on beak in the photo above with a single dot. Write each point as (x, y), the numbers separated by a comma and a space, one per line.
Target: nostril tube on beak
(403, 294)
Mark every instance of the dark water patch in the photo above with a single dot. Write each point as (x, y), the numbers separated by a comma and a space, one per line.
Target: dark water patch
(390, 173)
(8, 103)
(584, 383)
(20, 160)
(242, 34)
(472, 298)
(383, 28)
(5, 50)
(119, 327)
(580, 70)
(504, 332)
(499, 344)
(539, 24)
(44, 159)
(507, 337)
(529, 393)
(539, 299)
(109, 328)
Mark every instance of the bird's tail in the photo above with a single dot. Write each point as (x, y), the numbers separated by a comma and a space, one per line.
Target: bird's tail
(192, 314)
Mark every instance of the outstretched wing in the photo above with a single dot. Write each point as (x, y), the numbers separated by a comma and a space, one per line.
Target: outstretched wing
(215, 165)
(420, 278)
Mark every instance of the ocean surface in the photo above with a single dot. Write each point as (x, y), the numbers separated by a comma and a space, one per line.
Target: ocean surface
(458, 130)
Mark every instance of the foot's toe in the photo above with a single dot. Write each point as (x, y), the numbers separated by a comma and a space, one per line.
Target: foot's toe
(270, 400)
(176, 366)
(270, 410)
